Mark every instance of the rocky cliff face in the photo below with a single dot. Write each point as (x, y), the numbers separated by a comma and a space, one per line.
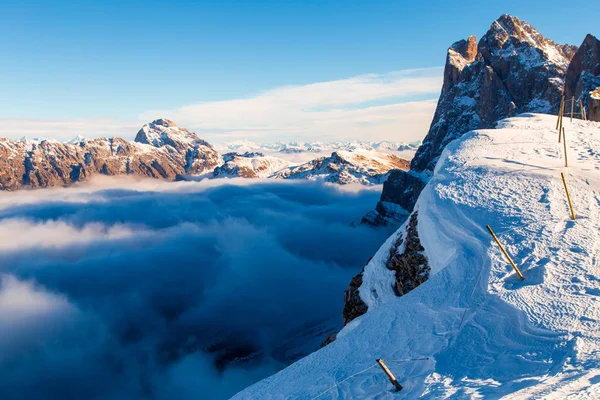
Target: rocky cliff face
(583, 77)
(406, 259)
(160, 150)
(513, 69)
(594, 105)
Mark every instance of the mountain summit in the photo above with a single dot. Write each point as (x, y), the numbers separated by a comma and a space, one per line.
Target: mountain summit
(160, 150)
(162, 132)
(513, 69)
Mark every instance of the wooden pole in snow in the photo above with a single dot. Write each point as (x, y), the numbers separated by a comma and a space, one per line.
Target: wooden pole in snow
(505, 253)
(572, 107)
(560, 119)
(559, 110)
(389, 374)
(583, 116)
(565, 146)
(562, 114)
(568, 196)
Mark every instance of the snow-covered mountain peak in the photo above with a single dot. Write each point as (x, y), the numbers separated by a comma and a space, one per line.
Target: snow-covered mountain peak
(249, 165)
(367, 167)
(161, 150)
(510, 36)
(514, 69)
(508, 25)
(167, 123)
(161, 132)
(77, 139)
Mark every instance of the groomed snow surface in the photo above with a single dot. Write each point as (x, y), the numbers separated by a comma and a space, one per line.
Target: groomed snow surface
(537, 338)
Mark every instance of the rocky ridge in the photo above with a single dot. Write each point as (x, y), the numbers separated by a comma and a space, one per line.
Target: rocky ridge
(511, 70)
(163, 150)
(583, 77)
(160, 150)
(343, 167)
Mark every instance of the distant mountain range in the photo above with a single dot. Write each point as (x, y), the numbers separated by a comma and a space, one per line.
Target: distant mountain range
(242, 146)
(163, 150)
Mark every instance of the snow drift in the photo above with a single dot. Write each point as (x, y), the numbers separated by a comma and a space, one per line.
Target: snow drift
(486, 333)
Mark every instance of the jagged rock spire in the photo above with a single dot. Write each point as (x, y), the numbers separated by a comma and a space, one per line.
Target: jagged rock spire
(583, 74)
(162, 132)
(512, 69)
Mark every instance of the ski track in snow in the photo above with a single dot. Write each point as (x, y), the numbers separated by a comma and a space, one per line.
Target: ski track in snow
(537, 338)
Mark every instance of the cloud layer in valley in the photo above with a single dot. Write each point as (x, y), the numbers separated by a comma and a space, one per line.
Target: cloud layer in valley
(393, 106)
(151, 289)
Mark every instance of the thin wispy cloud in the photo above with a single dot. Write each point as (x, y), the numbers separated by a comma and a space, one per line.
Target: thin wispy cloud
(392, 106)
(368, 107)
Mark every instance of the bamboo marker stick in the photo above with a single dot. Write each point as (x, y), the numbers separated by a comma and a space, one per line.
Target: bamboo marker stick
(583, 116)
(389, 374)
(558, 118)
(505, 253)
(572, 107)
(562, 114)
(565, 146)
(568, 196)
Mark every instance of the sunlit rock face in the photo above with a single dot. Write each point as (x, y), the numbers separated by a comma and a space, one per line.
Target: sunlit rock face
(583, 78)
(160, 150)
(512, 69)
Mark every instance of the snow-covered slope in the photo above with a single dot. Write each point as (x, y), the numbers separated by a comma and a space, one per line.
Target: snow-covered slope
(486, 333)
(343, 167)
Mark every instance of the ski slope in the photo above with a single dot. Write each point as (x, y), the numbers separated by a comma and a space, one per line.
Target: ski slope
(537, 338)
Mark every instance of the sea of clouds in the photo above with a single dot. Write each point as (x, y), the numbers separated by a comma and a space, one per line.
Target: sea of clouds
(146, 289)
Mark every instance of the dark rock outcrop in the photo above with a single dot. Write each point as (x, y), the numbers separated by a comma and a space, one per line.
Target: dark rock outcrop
(513, 69)
(401, 187)
(410, 264)
(594, 105)
(354, 306)
(406, 259)
(161, 150)
(583, 77)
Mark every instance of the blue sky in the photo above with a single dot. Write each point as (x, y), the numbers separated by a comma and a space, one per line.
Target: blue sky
(93, 64)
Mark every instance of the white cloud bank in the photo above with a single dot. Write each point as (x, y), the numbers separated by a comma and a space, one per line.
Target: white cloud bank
(123, 289)
(393, 106)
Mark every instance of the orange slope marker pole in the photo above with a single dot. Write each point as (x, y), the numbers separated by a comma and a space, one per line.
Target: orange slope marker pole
(572, 107)
(389, 374)
(559, 109)
(505, 253)
(573, 217)
(565, 147)
(562, 114)
(583, 116)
